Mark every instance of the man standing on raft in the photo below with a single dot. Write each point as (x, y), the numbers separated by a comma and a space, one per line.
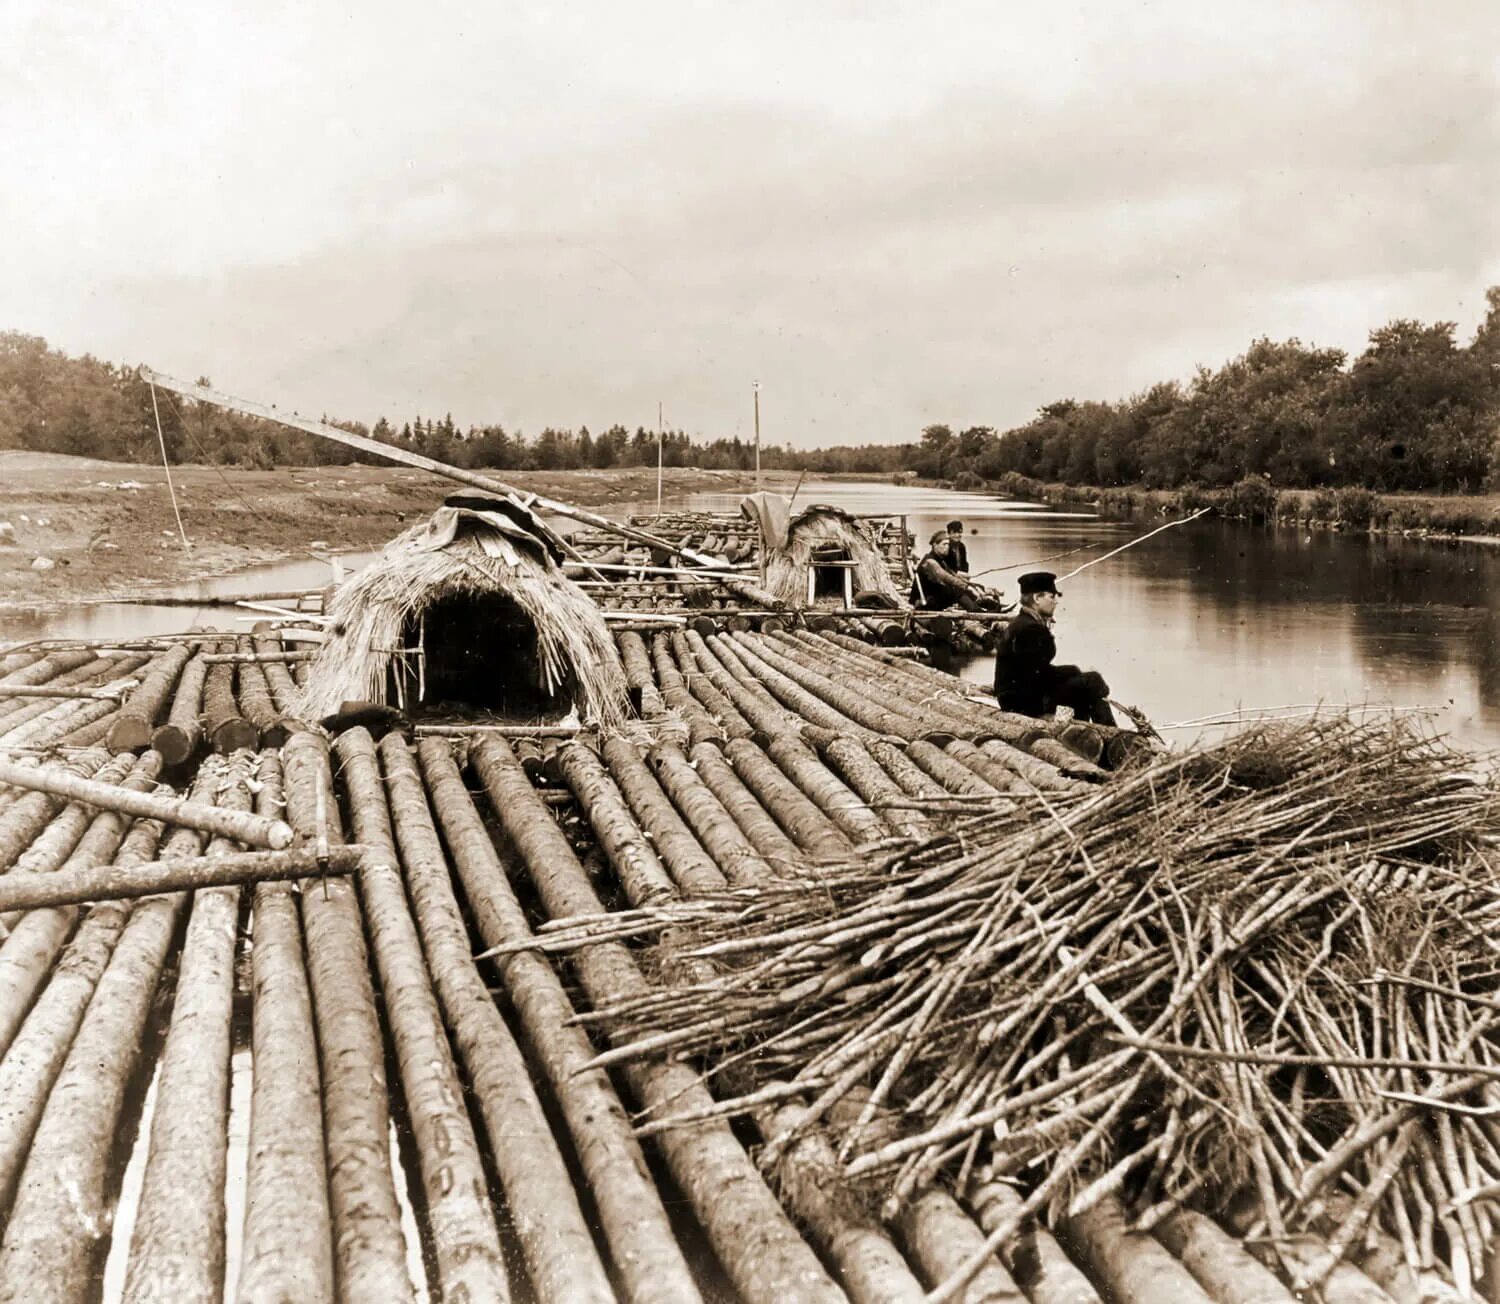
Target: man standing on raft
(1026, 681)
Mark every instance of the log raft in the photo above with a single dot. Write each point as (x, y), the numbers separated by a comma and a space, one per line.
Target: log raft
(755, 755)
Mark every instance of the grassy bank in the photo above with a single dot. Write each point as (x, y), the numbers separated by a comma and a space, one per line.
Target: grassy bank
(1444, 516)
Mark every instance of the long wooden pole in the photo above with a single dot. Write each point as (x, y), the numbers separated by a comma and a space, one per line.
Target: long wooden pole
(243, 826)
(407, 458)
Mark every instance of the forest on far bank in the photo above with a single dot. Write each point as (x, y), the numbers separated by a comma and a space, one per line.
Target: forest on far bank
(1416, 411)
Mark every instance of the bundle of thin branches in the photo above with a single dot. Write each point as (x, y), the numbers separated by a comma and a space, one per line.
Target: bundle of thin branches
(1263, 966)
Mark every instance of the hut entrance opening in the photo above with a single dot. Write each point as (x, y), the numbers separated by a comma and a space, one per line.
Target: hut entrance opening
(830, 576)
(468, 652)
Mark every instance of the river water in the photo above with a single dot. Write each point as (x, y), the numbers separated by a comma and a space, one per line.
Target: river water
(1206, 618)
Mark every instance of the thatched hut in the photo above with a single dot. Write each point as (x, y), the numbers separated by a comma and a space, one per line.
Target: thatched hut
(827, 557)
(470, 611)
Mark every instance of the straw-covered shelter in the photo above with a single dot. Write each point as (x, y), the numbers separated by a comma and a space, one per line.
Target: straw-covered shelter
(825, 555)
(469, 611)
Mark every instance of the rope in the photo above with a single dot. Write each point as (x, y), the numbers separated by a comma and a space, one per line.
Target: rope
(161, 439)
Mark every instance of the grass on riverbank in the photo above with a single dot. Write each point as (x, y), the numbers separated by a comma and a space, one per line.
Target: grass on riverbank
(1351, 507)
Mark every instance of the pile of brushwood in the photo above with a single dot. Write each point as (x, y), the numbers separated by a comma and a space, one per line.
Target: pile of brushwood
(1259, 976)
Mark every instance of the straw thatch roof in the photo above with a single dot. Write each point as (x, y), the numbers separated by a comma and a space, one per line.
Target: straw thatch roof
(470, 548)
(820, 526)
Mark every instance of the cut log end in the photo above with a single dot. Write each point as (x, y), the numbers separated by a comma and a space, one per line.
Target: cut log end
(129, 734)
(175, 744)
(233, 734)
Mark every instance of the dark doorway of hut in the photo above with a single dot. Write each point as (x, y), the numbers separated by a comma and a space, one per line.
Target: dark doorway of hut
(830, 576)
(468, 656)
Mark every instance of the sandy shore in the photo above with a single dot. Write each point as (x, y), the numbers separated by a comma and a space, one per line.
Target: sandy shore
(108, 528)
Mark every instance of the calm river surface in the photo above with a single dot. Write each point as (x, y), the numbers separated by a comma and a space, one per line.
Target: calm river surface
(1202, 619)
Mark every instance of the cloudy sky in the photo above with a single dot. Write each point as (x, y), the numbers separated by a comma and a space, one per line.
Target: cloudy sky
(887, 213)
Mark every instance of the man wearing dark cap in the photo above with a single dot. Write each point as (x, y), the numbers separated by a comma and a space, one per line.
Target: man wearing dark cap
(958, 553)
(936, 584)
(1026, 681)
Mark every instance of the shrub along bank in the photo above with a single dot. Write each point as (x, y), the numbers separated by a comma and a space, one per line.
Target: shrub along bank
(1256, 499)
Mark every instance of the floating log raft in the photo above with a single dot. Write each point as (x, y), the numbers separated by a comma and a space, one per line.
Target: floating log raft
(755, 762)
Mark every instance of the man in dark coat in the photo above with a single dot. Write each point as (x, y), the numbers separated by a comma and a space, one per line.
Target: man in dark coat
(1026, 681)
(937, 584)
(958, 552)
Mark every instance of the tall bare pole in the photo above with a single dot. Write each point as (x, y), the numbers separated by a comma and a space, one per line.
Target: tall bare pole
(658, 458)
(755, 389)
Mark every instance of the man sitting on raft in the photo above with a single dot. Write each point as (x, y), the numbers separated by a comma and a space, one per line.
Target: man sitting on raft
(938, 585)
(1026, 681)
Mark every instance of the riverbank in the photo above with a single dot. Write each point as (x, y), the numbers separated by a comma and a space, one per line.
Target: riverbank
(1443, 517)
(81, 529)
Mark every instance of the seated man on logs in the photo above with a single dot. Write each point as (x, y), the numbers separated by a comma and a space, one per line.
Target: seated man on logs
(937, 585)
(1026, 681)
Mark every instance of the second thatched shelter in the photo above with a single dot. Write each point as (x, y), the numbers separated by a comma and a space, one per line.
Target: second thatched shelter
(469, 611)
(828, 557)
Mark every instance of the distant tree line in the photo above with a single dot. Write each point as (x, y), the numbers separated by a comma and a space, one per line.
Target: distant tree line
(1415, 411)
(50, 402)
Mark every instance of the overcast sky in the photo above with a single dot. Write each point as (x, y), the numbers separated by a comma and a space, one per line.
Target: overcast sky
(889, 214)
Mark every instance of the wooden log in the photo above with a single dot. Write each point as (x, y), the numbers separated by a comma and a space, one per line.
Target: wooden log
(642, 1245)
(1219, 1263)
(272, 659)
(742, 864)
(36, 1055)
(178, 738)
(31, 949)
(18, 718)
(1131, 1267)
(223, 724)
(674, 690)
(11, 662)
(954, 775)
(947, 701)
(253, 694)
(870, 1267)
(177, 1249)
(31, 811)
(905, 772)
(751, 698)
(753, 818)
(801, 817)
(641, 872)
(998, 775)
(61, 1218)
(368, 1239)
(802, 697)
(1066, 760)
(1033, 769)
(759, 1248)
(58, 840)
(843, 806)
(65, 720)
(128, 882)
(691, 867)
(243, 826)
(50, 693)
(90, 734)
(465, 1240)
(132, 727)
(48, 666)
(287, 1252)
(645, 697)
(1040, 1266)
(700, 683)
(854, 763)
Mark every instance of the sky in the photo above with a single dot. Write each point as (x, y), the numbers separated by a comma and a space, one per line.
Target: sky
(887, 214)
